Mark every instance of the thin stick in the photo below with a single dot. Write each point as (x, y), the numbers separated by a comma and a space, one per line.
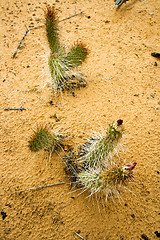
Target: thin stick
(50, 185)
(74, 15)
(55, 219)
(19, 45)
(20, 108)
(79, 236)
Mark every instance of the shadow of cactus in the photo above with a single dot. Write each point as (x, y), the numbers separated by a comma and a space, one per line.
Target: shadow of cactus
(60, 62)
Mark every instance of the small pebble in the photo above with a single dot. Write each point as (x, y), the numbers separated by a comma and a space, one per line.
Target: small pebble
(144, 237)
(157, 234)
(4, 215)
(152, 95)
(51, 102)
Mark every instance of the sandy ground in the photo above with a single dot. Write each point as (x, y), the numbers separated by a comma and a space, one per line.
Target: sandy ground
(123, 82)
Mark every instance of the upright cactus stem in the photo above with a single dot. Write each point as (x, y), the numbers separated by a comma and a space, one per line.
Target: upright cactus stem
(58, 71)
(52, 30)
(100, 150)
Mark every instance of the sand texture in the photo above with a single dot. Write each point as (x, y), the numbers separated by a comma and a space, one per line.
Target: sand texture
(122, 83)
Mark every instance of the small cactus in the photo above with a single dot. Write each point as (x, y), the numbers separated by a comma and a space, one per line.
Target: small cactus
(98, 151)
(43, 139)
(60, 62)
(109, 181)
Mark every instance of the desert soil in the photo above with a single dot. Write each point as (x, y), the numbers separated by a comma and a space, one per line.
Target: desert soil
(123, 83)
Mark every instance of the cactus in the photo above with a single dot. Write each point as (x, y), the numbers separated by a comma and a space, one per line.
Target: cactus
(60, 62)
(98, 151)
(52, 30)
(108, 181)
(58, 70)
(43, 139)
(118, 3)
(77, 55)
(99, 170)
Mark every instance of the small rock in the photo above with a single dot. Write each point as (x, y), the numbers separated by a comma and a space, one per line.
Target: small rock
(144, 237)
(132, 215)
(51, 102)
(152, 95)
(157, 234)
(56, 118)
(4, 215)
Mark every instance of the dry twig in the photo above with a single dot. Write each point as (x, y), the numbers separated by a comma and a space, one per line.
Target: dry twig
(20, 108)
(50, 185)
(79, 235)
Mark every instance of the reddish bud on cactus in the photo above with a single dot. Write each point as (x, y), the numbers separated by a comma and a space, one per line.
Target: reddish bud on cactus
(130, 166)
(119, 122)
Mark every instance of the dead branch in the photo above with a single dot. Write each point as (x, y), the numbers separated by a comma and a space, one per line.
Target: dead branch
(79, 235)
(44, 186)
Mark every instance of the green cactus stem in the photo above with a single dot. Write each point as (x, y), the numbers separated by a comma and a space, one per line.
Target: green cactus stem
(42, 139)
(52, 30)
(100, 150)
(76, 55)
(58, 70)
(109, 181)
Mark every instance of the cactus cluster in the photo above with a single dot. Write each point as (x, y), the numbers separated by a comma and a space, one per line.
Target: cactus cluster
(99, 170)
(61, 62)
(96, 167)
